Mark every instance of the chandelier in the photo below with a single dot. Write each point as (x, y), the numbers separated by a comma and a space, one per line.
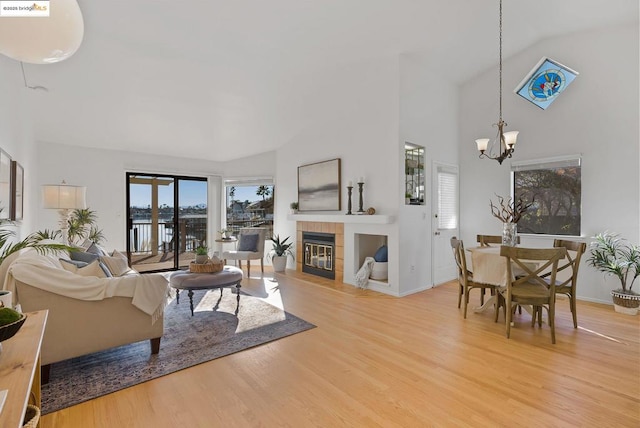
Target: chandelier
(504, 144)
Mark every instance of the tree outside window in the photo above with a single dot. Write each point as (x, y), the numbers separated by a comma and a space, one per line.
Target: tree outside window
(249, 204)
(555, 187)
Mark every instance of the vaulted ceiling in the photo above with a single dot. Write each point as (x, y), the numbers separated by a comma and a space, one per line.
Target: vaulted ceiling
(223, 79)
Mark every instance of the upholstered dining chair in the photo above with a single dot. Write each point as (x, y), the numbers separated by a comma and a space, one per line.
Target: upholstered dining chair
(250, 247)
(465, 277)
(567, 286)
(531, 288)
(485, 240)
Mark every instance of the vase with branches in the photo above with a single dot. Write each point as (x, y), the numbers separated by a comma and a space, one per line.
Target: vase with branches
(509, 212)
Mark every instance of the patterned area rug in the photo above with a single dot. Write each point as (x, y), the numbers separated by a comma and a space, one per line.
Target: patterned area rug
(219, 327)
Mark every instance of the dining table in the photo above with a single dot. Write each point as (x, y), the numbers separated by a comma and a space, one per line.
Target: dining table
(489, 267)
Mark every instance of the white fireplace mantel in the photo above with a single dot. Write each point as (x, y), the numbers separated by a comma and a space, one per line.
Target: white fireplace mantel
(343, 218)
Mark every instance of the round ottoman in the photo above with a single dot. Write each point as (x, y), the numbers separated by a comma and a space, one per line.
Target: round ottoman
(229, 276)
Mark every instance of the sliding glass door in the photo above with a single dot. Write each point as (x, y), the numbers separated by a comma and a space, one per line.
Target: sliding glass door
(167, 220)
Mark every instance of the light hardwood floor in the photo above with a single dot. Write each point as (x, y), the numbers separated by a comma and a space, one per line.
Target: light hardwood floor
(380, 361)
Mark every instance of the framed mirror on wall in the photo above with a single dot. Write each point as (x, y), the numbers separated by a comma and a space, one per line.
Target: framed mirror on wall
(414, 174)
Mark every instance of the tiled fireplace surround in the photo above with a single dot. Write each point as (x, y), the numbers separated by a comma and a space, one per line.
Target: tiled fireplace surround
(356, 237)
(322, 227)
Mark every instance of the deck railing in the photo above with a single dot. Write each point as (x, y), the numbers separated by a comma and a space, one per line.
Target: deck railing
(192, 232)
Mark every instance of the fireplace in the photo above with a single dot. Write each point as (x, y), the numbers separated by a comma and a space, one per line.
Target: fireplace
(319, 254)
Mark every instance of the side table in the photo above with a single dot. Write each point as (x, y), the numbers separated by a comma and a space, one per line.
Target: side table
(220, 242)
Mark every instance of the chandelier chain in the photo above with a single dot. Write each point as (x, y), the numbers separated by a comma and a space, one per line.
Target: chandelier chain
(503, 146)
(500, 64)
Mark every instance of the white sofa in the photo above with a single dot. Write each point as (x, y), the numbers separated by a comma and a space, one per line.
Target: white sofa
(86, 313)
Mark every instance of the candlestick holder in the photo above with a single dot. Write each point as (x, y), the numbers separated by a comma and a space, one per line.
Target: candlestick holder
(360, 186)
(349, 189)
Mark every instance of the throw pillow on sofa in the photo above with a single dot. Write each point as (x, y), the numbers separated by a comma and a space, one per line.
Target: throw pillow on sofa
(76, 263)
(83, 256)
(90, 269)
(116, 265)
(96, 249)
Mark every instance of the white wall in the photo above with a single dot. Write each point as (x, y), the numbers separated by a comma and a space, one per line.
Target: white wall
(16, 136)
(357, 121)
(597, 116)
(428, 117)
(103, 172)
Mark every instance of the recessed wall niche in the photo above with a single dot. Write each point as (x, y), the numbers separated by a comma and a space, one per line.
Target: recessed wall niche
(366, 245)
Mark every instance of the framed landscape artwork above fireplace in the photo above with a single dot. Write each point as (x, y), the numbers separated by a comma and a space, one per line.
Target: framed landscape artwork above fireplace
(319, 186)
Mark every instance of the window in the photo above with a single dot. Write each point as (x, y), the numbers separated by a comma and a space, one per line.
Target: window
(249, 203)
(555, 187)
(167, 220)
(447, 198)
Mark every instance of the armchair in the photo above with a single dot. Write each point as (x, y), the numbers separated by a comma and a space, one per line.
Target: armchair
(250, 247)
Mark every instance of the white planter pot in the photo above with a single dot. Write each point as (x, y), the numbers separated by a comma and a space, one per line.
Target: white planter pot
(625, 303)
(200, 259)
(279, 263)
(379, 271)
(627, 311)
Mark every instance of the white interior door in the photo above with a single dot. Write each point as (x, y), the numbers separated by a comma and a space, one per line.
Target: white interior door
(445, 218)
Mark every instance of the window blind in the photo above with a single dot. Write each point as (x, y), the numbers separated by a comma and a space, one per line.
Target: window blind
(447, 200)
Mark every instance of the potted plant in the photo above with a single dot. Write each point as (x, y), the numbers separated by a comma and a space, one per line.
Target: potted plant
(224, 233)
(202, 254)
(615, 256)
(407, 198)
(279, 252)
(294, 207)
(9, 245)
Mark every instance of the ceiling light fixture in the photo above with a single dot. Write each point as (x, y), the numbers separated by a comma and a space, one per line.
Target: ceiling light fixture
(43, 39)
(504, 144)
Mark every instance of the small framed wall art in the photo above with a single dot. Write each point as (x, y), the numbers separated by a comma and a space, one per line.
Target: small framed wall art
(5, 185)
(17, 191)
(545, 82)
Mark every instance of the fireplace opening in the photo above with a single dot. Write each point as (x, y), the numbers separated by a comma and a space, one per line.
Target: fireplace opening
(319, 253)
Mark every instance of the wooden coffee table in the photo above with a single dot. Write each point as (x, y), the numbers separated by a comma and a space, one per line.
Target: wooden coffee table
(229, 276)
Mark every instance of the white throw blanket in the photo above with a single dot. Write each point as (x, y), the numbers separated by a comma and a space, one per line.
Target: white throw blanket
(148, 292)
(362, 277)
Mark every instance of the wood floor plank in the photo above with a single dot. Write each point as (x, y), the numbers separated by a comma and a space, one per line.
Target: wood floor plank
(380, 361)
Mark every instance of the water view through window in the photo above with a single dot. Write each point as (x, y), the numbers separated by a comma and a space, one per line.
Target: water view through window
(167, 220)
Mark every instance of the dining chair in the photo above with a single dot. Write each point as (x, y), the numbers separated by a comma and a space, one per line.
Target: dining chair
(567, 286)
(250, 247)
(485, 240)
(531, 288)
(465, 276)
